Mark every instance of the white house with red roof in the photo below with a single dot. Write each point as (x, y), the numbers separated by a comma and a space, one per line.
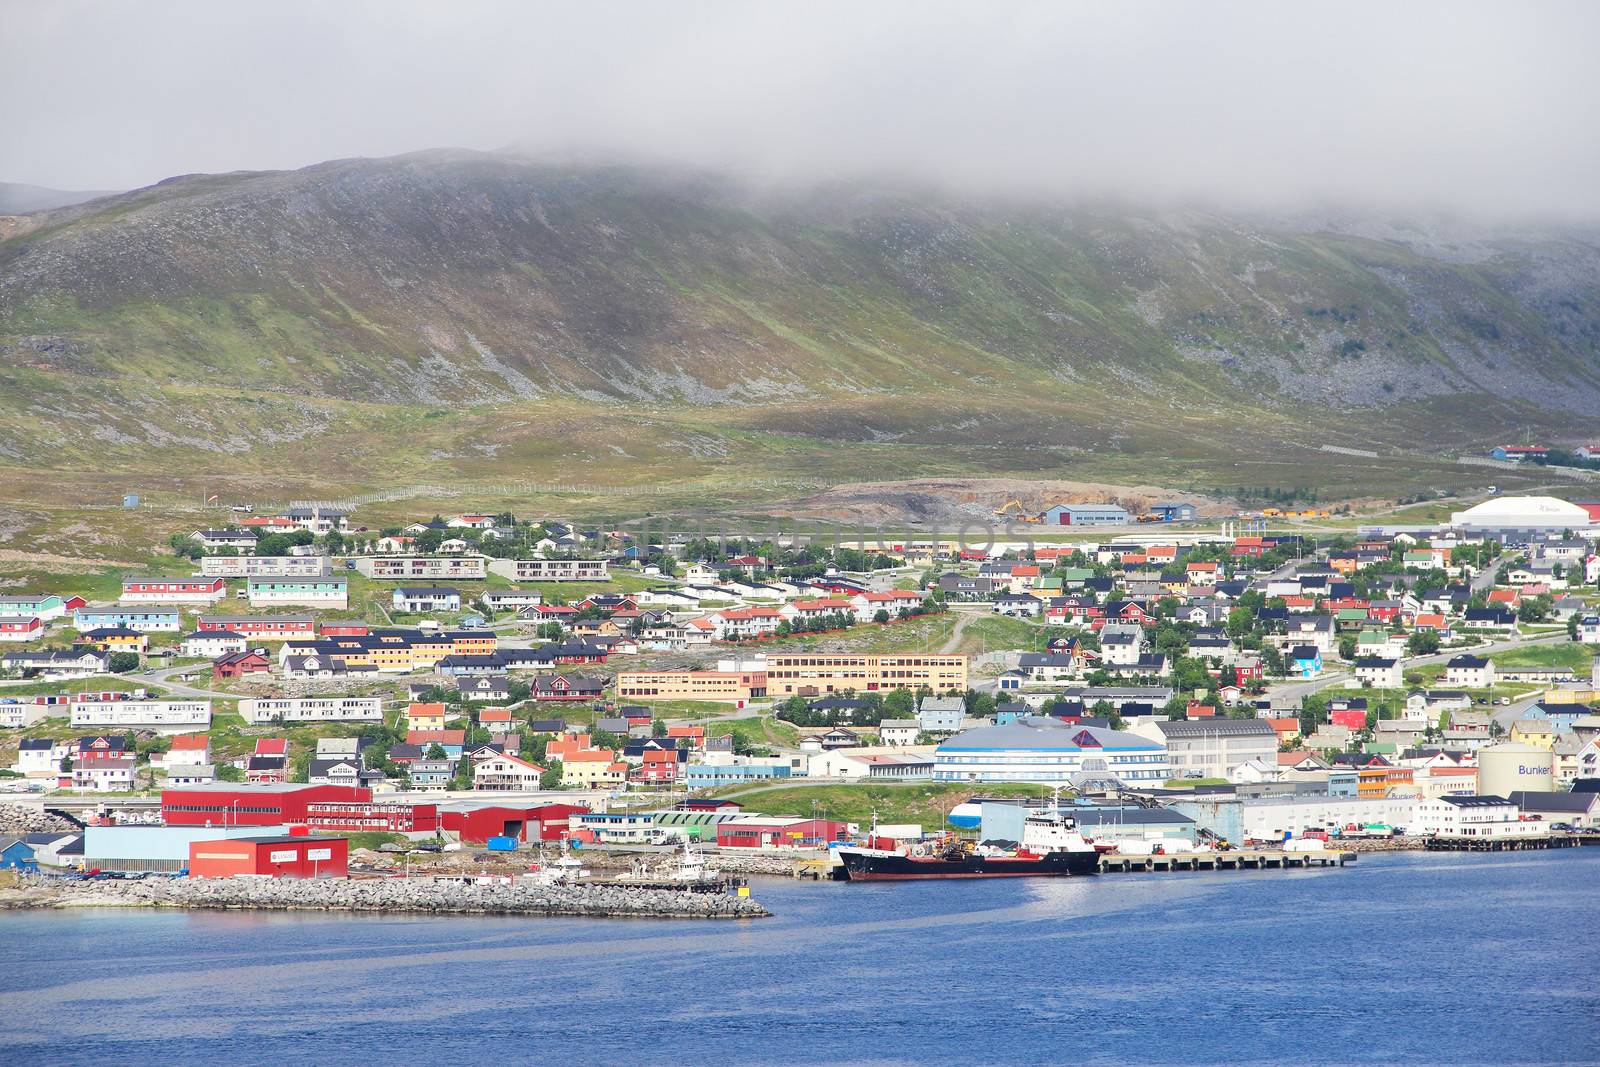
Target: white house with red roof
(894, 601)
(188, 750)
(740, 623)
(812, 608)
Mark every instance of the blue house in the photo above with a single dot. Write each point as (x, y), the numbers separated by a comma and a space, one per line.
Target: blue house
(17, 855)
(1010, 712)
(145, 622)
(1305, 660)
(1560, 716)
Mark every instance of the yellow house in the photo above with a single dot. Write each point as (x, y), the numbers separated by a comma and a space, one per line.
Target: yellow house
(1536, 732)
(595, 769)
(425, 717)
(115, 639)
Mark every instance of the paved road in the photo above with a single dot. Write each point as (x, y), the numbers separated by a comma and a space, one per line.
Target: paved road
(161, 679)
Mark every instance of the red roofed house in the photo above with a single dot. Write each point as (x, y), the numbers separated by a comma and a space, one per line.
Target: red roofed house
(893, 601)
(743, 622)
(188, 750)
(1024, 576)
(452, 741)
(1350, 719)
(1287, 729)
(495, 719)
(817, 608)
(1248, 546)
(695, 733)
(269, 765)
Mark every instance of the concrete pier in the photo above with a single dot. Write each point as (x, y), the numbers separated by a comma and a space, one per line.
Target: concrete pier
(1234, 860)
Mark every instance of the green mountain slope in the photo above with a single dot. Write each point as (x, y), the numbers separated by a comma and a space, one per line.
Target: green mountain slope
(489, 314)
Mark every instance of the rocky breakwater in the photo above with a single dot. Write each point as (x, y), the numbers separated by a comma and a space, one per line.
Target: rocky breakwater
(1379, 844)
(443, 896)
(27, 819)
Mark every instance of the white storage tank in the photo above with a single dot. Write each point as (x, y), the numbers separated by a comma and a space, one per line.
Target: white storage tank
(1504, 769)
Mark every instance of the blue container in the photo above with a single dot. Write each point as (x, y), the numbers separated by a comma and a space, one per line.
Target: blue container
(502, 844)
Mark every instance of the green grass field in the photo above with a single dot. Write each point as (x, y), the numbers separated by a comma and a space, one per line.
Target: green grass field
(756, 730)
(1572, 656)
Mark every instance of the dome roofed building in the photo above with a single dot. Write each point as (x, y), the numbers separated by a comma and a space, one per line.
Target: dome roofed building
(1523, 513)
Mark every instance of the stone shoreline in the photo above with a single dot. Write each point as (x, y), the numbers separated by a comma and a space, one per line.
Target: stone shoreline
(400, 895)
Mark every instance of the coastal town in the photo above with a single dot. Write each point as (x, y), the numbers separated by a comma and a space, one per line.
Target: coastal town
(482, 697)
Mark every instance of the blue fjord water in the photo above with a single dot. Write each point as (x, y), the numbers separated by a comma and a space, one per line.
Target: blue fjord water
(1406, 958)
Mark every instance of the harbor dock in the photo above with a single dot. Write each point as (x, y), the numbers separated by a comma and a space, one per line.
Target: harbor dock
(1508, 844)
(1233, 860)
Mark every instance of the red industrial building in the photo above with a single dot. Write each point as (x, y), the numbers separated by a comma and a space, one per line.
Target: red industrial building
(275, 857)
(353, 816)
(541, 822)
(756, 832)
(227, 804)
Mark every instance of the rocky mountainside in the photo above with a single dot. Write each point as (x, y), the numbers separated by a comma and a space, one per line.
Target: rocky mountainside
(223, 312)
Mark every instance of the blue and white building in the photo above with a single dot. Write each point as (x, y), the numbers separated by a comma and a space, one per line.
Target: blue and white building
(1086, 515)
(1050, 751)
(45, 606)
(142, 621)
(712, 775)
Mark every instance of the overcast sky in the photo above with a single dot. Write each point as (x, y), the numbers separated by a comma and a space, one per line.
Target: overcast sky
(1454, 106)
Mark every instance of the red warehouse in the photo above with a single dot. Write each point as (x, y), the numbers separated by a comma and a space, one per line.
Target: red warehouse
(227, 804)
(778, 833)
(275, 857)
(477, 823)
(392, 817)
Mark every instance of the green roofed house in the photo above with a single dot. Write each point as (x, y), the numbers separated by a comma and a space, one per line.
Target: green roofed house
(1351, 618)
(1380, 643)
(1073, 577)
